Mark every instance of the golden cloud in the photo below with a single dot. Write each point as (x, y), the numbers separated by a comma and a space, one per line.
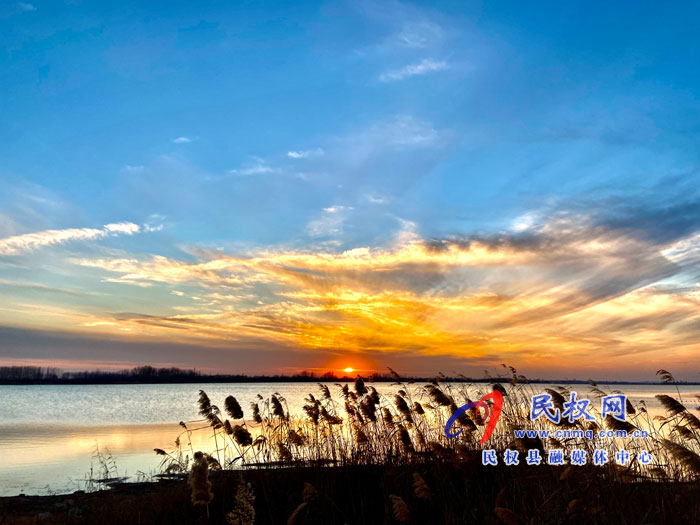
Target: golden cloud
(568, 290)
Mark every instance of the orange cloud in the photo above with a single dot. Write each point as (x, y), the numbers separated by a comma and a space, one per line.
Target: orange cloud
(566, 293)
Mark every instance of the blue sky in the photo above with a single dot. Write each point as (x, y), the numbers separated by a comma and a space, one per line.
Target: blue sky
(307, 128)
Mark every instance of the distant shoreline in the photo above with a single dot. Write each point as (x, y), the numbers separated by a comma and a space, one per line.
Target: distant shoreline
(146, 375)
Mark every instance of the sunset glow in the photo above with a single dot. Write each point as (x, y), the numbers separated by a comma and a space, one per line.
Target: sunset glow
(349, 370)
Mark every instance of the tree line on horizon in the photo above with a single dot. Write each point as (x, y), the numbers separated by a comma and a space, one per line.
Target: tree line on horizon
(149, 374)
(27, 375)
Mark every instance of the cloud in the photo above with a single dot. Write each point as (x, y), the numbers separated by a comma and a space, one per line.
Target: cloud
(566, 286)
(330, 222)
(128, 228)
(182, 140)
(257, 166)
(305, 154)
(24, 6)
(420, 34)
(405, 130)
(425, 66)
(133, 168)
(38, 287)
(377, 199)
(31, 241)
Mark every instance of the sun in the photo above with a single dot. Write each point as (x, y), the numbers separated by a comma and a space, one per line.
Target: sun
(349, 370)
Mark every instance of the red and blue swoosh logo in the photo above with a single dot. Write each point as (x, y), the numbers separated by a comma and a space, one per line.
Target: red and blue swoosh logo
(491, 417)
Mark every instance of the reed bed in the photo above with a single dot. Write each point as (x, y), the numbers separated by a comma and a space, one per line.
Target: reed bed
(356, 425)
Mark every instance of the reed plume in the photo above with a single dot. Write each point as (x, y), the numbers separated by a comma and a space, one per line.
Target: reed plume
(256, 412)
(666, 376)
(295, 438)
(283, 452)
(360, 386)
(402, 406)
(325, 391)
(360, 436)
(689, 459)
(400, 509)
(198, 480)
(405, 439)
(673, 406)
(393, 373)
(374, 395)
(242, 436)
(388, 418)
(616, 424)
(420, 487)
(233, 408)
(313, 412)
(557, 398)
(277, 408)
(438, 396)
(368, 408)
(330, 418)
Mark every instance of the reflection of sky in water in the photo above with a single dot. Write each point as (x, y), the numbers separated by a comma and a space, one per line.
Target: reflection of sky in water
(48, 433)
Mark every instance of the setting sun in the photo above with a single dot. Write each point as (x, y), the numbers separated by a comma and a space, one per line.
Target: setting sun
(349, 370)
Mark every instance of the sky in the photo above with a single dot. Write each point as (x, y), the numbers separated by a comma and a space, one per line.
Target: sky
(269, 187)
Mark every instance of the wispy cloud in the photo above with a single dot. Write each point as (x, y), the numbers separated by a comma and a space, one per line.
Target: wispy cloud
(38, 287)
(330, 222)
(130, 168)
(420, 34)
(24, 6)
(257, 166)
(182, 140)
(425, 66)
(377, 199)
(31, 241)
(405, 130)
(305, 154)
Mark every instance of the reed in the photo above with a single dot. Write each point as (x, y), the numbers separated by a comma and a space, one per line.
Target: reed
(359, 426)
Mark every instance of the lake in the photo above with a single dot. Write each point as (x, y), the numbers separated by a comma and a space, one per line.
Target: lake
(48, 433)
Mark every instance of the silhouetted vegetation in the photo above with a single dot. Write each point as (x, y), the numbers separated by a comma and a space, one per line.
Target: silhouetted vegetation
(23, 375)
(31, 375)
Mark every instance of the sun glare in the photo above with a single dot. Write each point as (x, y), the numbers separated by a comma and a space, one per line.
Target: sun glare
(349, 370)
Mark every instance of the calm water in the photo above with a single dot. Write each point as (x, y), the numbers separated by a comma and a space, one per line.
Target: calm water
(48, 433)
